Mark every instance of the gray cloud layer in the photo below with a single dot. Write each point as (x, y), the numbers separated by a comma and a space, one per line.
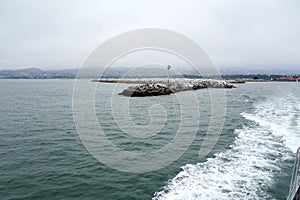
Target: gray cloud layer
(62, 33)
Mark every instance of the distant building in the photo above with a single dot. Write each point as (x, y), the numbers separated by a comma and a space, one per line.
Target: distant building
(288, 78)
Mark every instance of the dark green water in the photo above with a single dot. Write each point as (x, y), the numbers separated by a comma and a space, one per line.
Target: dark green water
(42, 156)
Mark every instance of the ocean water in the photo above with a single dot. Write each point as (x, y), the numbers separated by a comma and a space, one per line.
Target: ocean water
(42, 156)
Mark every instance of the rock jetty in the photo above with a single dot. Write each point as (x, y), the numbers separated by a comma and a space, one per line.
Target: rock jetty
(163, 86)
(195, 84)
(146, 90)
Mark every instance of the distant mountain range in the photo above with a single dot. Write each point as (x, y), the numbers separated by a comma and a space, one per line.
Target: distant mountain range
(35, 73)
(32, 73)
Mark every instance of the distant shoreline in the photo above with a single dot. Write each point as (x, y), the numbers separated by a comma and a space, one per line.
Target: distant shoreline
(35, 73)
(119, 80)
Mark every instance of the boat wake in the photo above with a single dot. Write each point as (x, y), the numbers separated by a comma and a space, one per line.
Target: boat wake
(247, 168)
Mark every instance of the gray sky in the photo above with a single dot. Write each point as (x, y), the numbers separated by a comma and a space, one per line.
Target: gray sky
(61, 33)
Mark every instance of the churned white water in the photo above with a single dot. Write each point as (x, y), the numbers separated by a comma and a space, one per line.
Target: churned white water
(281, 117)
(246, 169)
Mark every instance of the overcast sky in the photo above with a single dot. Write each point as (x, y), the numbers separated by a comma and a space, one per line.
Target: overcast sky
(61, 34)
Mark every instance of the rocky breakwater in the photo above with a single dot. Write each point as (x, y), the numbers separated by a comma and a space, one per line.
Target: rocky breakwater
(164, 87)
(195, 84)
(147, 90)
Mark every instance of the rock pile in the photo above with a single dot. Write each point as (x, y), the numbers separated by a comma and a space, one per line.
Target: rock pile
(147, 90)
(195, 84)
(161, 86)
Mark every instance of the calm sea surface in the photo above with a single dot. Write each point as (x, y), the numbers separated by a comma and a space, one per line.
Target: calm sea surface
(42, 156)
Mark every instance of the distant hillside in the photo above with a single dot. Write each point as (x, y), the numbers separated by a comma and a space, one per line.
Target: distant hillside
(34, 73)
(130, 72)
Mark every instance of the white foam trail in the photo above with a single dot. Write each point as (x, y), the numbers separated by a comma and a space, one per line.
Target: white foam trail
(246, 169)
(281, 117)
